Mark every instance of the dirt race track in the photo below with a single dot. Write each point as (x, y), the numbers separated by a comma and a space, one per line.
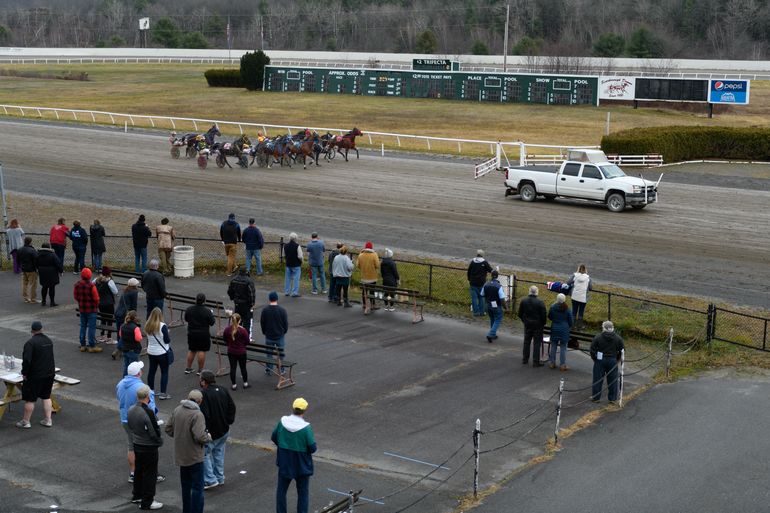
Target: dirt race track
(705, 240)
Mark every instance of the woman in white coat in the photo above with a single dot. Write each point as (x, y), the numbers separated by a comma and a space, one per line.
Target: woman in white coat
(580, 284)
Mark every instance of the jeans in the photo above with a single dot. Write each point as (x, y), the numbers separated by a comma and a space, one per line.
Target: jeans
(477, 300)
(257, 255)
(152, 303)
(303, 493)
(145, 475)
(59, 250)
(140, 254)
(609, 367)
(155, 362)
(316, 271)
(192, 488)
(88, 321)
(533, 334)
(333, 290)
(214, 461)
(495, 318)
(562, 343)
(80, 258)
(230, 250)
(280, 344)
(96, 261)
(578, 309)
(128, 358)
(291, 283)
(341, 285)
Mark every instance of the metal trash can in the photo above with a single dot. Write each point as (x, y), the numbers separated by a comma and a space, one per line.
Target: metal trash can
(184, 261)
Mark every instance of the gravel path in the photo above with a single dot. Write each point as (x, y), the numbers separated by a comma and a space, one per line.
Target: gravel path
(700, 239)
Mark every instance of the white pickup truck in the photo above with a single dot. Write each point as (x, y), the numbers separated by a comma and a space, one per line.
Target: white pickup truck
(586, 174)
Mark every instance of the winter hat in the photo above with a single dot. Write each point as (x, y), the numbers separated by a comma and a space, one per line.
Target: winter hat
(273, 296)
(86, 273)
(141, 218)
(480, 252)
(37, 325)
(299, 404)
(369, 245)
(133, 282)
(388, 252)
(106, 271)
(134, 368)
(231, 216)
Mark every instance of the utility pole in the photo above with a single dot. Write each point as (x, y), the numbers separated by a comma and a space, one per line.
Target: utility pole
(4, 238)
(505, 37)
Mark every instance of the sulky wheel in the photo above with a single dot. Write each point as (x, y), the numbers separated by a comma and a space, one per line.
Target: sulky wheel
(175, 152)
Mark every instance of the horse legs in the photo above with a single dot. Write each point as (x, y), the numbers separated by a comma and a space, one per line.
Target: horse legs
(356, 152)
(346, 155)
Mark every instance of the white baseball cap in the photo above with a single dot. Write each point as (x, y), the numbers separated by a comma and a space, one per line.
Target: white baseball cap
(134, 368)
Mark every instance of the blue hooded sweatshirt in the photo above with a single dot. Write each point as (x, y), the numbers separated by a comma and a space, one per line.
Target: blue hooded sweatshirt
(126, 393)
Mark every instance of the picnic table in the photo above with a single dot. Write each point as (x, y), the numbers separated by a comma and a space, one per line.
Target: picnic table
(14, 380)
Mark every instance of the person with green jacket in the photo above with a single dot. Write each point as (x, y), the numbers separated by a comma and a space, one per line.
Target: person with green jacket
(296, 445)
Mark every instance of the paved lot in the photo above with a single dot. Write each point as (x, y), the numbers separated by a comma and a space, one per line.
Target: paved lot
(423, 207)
(375, 384)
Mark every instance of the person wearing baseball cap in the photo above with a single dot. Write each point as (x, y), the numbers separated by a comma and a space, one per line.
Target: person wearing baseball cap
(296, 444)
(38, 369)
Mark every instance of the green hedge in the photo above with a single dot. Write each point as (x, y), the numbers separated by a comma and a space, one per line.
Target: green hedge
(224, 77)
(678, 143)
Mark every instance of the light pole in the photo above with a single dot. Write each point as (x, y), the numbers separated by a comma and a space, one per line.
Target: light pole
(505, 37)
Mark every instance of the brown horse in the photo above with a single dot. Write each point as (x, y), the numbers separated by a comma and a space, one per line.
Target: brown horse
(347, 142)
(310, 148)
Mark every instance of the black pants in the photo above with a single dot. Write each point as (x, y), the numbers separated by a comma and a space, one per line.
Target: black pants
(145, 474)
(342, 285)
(106, 316)
(244, 310)
(534, 334)
(50, 290)
(240, 360)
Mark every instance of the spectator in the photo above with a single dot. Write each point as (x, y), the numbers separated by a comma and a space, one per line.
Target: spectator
(38, 370)
(145, 433)
(98, 248)
(130, 340)
(79, 238)
(606, 352)
(369, 263)
(49, 269)
(315, 258)
(495, 299)
(125, 391)
(292, 255)
(127, 302)
(199, 320)
(561, 322)
(87, 297)
(254, 242)
(15, 242)
(296, 444)
(166, 237)
(154, 286)
(274, 322)
(237, 338)
(477, 276)
(580, 284)
(342, 270)
(241, 292)
(58, 238)
(230, 233)
(28, 262)
(390, 278)
(219, 411)
(533, 315)
(187, 427)
(332, 285)
(158, 351)
(140, 236)
(107, 290)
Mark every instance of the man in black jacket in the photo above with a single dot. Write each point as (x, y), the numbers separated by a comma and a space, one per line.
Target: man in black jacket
(532, 313)
(274, 322)
(27, 256)
(140, 235)
(477, 277)
(243, 294)
(38, 370)
(145, 432)
(606, 351)
(154, 286)
(219, 411)
(230, 233)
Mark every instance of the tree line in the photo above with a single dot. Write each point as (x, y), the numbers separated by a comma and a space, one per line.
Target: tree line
(709, 29)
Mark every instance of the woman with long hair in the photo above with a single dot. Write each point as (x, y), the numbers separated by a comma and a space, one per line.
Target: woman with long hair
(126, 303)
(15, 242)
(561, 322)
(131, 338)
(237, 338)
(158, 347)
(580, 284)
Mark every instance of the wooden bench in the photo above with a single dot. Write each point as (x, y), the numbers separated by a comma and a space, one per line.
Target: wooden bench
(180, 302)
(101, 320)
(396, 295)
(124, 276)
(13, 381)
(575, 338)
(343, 505)
(265, 355)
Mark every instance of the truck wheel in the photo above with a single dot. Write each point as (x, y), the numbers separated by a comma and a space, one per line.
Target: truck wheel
(616, 202)
(527, 192)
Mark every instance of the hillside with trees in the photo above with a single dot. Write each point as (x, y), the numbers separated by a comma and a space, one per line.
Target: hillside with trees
(709, 29)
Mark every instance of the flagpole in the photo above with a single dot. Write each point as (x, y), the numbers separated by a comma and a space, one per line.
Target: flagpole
(229, 58)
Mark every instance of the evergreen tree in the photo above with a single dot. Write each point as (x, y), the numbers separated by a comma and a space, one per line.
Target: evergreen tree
(253, 69)
(479, 48)
(427, 42)
(609, 45)
(644, 44)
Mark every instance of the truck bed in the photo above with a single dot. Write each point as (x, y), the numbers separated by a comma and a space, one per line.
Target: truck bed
(542, 169)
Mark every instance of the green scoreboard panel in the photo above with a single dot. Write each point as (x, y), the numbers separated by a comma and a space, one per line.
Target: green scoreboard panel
(451, 85)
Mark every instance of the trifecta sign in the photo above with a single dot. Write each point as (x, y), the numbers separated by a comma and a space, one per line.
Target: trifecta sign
(435, 65)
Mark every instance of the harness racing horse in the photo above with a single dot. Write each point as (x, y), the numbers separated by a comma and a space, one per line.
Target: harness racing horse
(273, 151)
(192, 140)
(234, 149)
(347, 142)
(310, 148)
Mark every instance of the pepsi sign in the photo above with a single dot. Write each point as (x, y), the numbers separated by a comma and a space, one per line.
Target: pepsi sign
(729, 91)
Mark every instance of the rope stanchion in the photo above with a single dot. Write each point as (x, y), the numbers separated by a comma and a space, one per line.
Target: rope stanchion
(622, 371)
(476, 446)
(558, 411)
(668, 351)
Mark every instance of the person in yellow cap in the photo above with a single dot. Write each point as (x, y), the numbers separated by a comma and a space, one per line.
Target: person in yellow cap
(296, 445)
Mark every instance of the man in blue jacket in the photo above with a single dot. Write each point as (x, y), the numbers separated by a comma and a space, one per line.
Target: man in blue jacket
(254, 242)
(315, 254)
(296, 445)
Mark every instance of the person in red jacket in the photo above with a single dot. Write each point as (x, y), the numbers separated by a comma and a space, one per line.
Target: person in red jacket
(88, 305)
(58, 238)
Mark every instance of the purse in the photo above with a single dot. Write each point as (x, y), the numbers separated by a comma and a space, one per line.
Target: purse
(169, 351)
